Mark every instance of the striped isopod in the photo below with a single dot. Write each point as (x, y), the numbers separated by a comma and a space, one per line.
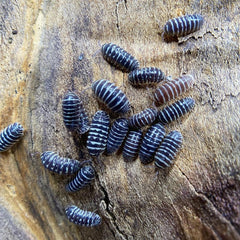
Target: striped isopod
(176, 110)
(173, 89)
(82, 217)
(117, 134)
(60, 165)
(84, 177)
(145, 76)
(119, 58)
(111, 95)
(10, 135)
(168, 149)
(74, 114)
(98, 133)
(145, 117)
(182, 26)
(131, 146)
(151, 142)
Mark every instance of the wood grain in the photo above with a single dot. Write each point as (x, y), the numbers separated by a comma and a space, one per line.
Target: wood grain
(198, 198)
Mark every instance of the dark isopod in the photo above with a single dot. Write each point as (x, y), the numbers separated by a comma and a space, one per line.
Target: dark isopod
(119, 58)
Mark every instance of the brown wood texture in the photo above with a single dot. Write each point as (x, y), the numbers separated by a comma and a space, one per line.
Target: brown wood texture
(198, 198)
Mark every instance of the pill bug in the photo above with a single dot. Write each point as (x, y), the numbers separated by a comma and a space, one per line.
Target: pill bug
(131, 146)
(82, 217)
(168, 149)
(74, 114)
(10, 135)
(182, 26)
(145, 117)
(119, 58)
(117, 134)
(151, 142)
(173, 89)
(145, 76)
(176, 110)
(84, 177)
(111, 96)
(60, 165)
(98, 133)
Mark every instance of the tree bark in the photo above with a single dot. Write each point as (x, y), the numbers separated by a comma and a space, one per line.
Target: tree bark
(50, 47)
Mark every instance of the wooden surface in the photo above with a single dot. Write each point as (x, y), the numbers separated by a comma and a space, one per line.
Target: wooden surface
(198, 198)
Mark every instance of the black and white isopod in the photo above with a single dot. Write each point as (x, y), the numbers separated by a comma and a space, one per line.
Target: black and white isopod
(182, 26)
(98, 133)
(168, 149)
(10, 135)
(84, 177)
(60, 165)
(111, 96)
(82, 217)
(119, 58)
(117, 134)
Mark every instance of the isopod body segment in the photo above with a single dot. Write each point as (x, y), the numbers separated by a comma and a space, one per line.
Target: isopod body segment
(131, 146)
(84, 177)
(172, 89)
(151, 142)
(10, 135)
(60, 165)
(167, 151)
(119, 58)
(98, 133)
(176, 110)
(117, 135)
(182, 26)
(111, 96)
(145, 76)
(82, 217)
(145, 117)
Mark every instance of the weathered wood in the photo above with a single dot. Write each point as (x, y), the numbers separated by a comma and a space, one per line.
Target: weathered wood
(198, 198)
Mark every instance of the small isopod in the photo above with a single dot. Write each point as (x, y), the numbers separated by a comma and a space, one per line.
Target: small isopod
(117, 134)
(168, 149)
(82, 217)
(145, 117)
(98, 133)
(173, 89)
(182, 26)
(111, 96)
(119, 58)
(84, 177)
(151, 142)
(131, 146)
(60, 165)
(74, 114)
(145, 76)
(10, 135)
(176, 110)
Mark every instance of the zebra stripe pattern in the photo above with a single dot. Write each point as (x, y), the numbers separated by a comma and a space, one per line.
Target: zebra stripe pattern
(111, 95)
(83, 178)
(176, 110)
(117, 134)
(151, 142)
(132, 144)
(182, 26)
(145, 76)
(74, 114)
(168, 149)
(59, 165)
(173, 89)
(10, 135)
(98, 133)
(119, 58)
(145, 117)
(82, 217)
